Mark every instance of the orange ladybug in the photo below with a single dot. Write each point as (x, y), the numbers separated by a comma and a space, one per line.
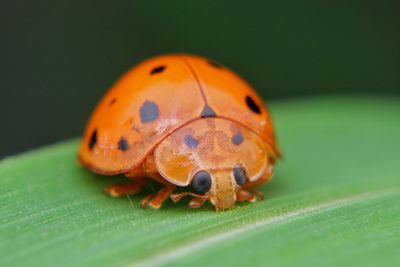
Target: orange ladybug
(182, 120)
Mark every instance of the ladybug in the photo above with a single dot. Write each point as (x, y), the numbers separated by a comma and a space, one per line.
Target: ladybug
(188, 123)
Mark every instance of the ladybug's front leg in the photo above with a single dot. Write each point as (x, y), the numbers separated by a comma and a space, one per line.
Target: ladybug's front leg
(156, 200)
(247, 192)
(196, 202)
(244, 195)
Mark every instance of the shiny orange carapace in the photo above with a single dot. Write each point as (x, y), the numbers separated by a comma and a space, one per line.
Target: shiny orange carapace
(182, 120)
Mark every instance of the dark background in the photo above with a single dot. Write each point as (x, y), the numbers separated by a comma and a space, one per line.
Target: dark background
(59, 57)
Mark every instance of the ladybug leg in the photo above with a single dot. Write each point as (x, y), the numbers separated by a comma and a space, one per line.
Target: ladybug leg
(248, 193)
(148, 169)
(259, 194)
(145, 201)
(244, 195)
(156, 200)
(196, 202)
(249, 196)
(117, 190)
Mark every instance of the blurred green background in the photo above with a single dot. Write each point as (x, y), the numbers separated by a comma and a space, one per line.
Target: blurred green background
(59, 57)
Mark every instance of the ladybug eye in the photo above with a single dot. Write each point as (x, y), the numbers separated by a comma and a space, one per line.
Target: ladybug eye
(201, 182)
(240, 175)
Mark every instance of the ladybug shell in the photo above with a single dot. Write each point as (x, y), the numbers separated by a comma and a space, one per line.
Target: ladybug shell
(159, 96)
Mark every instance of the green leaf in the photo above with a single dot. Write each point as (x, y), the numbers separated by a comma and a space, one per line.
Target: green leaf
(334, 201)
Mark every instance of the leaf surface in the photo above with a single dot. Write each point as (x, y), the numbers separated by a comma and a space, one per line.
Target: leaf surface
(334, 201)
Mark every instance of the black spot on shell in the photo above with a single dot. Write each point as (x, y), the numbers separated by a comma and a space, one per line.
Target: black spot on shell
(112, 101)
(157, 70)
(252, 105)
(237, 139)
(208, 112)
(93, 139)
(190, 141)
(215, 64)
(149, 112)
(123, 144)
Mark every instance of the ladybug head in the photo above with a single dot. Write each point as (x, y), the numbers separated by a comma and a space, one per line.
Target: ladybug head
(220, 186)
(216, 157)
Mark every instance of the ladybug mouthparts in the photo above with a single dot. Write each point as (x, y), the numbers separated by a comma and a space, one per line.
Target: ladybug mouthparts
(223, 189)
